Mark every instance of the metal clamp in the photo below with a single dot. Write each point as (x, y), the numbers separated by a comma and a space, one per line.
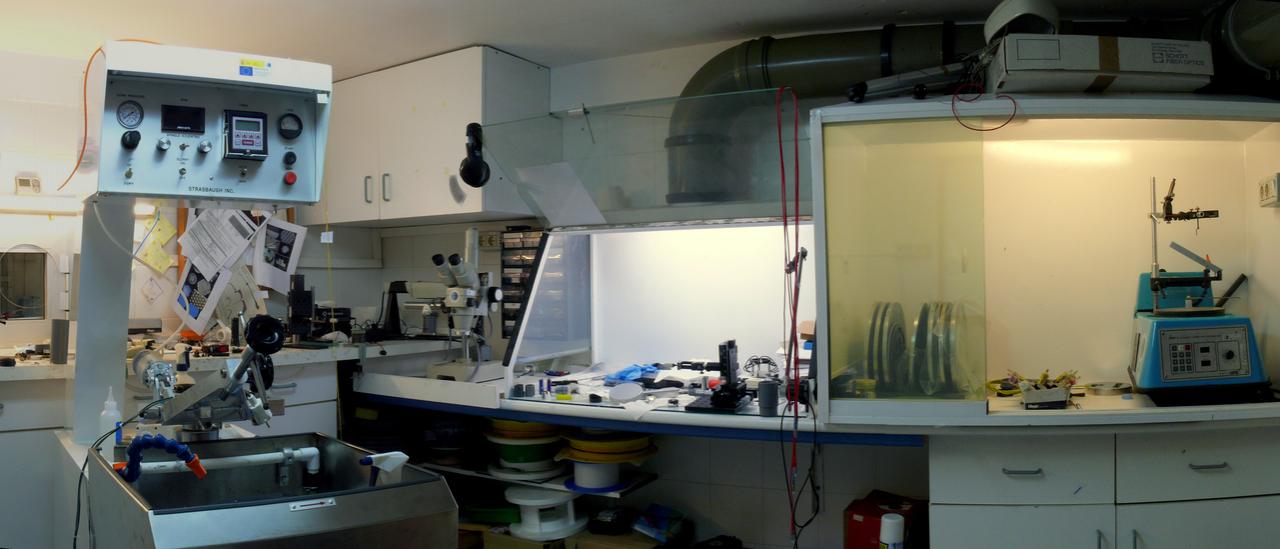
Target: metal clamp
(386, 187)
(1022, 472)
(1208, 467)
(368, 179)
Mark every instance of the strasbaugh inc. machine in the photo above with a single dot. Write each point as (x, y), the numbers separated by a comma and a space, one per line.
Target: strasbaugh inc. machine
(218, 130)
(1186, 348)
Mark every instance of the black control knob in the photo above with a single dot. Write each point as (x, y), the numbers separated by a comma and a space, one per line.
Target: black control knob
(290, 158)
(265, 334)
(1229, 355)
(131, 139)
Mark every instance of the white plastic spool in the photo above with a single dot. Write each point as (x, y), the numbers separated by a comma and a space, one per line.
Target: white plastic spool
(544, 514)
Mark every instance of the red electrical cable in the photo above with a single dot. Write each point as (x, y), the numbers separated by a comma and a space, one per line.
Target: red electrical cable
(84, 107)
(955, 96)
(792, 258)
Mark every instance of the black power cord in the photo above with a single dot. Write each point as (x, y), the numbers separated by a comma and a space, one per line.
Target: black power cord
(810, 478)
(75, 537)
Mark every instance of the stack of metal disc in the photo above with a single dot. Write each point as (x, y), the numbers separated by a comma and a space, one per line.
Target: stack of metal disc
(887, 357)
(935, 346)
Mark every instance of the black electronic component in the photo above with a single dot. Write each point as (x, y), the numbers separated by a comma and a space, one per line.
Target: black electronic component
(130, 139)
(289, 126)
(290, 158)
(301, 307)
(175, 118)
(474, 170)
(731, 395)
(244, 135)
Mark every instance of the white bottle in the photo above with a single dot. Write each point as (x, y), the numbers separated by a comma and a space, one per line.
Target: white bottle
(892, 531)
(110, 414)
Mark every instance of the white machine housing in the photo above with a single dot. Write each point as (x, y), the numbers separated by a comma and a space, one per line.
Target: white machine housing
(205, 124)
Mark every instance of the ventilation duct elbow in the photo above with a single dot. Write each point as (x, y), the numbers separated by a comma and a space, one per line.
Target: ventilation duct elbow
(821, 65)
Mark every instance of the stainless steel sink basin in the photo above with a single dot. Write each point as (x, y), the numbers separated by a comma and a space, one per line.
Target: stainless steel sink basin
(273, 505)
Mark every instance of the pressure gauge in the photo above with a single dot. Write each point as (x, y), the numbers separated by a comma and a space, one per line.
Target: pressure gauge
(290, 126)
(129, 114)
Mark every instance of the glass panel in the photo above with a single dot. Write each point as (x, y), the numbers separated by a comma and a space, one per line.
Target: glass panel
(557, 322)
(683, 159)
(904, 239)
(22, 285)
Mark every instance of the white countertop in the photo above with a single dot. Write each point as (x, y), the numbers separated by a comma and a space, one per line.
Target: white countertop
(36, 370)
(1128, 413)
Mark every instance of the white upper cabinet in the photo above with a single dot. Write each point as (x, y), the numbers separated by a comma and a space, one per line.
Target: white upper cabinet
(397, 137)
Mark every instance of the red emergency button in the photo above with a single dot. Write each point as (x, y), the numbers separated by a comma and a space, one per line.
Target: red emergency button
(290, 178)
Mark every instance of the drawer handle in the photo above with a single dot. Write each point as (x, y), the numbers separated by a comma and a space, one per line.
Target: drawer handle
(1208, 467)
(1022, 472)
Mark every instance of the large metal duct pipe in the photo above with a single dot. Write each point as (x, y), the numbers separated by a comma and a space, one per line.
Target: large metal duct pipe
(820, 65)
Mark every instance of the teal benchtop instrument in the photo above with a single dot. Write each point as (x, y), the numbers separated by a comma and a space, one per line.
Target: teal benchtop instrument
(1187, 350)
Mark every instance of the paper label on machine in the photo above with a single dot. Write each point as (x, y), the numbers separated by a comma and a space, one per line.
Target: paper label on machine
(1204, 353)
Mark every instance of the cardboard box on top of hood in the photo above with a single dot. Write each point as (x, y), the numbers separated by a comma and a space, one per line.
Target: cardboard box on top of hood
(1075, 63)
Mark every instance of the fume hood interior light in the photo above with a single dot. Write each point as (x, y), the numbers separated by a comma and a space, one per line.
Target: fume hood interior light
(1094, 153)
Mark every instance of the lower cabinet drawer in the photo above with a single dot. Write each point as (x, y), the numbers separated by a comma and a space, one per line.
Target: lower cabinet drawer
(1022, 526)
(1197, 465)
(1235, 523)
(1012, 470)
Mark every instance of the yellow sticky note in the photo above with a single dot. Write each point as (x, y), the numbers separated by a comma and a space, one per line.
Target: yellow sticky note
(154, 256)
(161, 230)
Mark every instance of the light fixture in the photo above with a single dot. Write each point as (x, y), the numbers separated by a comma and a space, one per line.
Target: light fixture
(1094, 153)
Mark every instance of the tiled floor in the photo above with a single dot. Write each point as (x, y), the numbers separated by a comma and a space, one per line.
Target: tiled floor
(738, 488)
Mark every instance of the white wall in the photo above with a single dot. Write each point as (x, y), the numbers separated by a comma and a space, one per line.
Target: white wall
(1262, 292)
(736, 487)
(40, 132)
(670, 295)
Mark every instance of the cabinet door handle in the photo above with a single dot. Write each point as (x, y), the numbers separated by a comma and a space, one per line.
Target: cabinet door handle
(368, 179)
(1022, 472)
(1135, 539)
(1099, 539)
(386, 187)
(1207, 467)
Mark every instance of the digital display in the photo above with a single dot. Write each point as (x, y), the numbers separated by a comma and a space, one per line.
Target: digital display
(174, 118)
(245, 133)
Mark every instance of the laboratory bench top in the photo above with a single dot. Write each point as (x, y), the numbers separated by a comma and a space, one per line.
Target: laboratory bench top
(38, 370)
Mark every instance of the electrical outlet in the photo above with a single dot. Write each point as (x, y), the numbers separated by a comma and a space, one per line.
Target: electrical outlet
(490, 239)
(1268, 196)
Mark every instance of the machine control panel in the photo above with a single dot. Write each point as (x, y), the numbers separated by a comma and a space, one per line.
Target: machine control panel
(208, 142)
(246, 135)
(1204, 353)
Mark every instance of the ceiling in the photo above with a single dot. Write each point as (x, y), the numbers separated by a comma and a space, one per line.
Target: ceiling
(356, 36)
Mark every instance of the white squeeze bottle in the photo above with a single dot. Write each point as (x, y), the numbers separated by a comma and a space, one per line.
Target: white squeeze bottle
(110, 413)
